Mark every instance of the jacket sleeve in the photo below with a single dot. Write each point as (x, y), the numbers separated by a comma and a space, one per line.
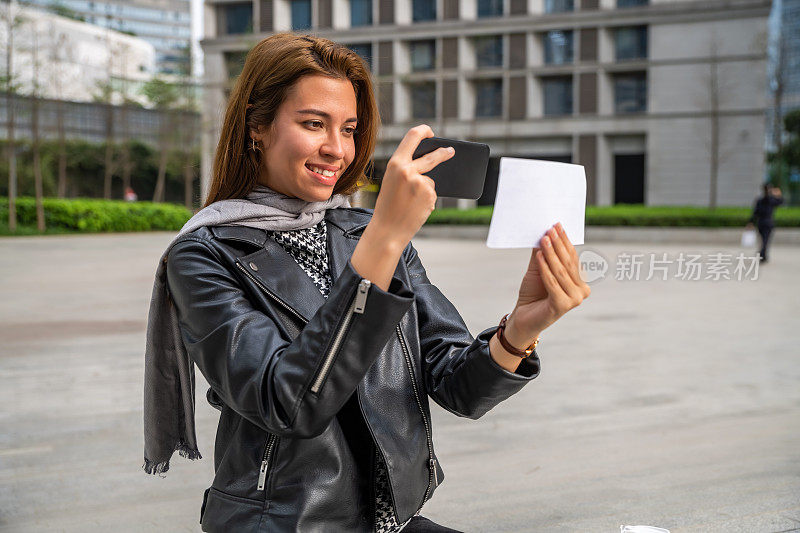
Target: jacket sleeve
(460, 373)
(257, 372)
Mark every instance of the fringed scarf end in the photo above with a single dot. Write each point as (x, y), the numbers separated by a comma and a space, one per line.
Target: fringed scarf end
(152, 467)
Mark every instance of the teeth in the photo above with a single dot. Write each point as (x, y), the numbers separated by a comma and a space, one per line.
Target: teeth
(326, 173)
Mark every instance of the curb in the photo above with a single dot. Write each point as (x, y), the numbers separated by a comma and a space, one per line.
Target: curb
(719, 236)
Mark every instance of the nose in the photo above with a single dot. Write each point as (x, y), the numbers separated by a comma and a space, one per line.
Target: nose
(333, 145)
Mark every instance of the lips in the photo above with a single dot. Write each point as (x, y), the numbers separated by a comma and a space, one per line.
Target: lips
(325, 180)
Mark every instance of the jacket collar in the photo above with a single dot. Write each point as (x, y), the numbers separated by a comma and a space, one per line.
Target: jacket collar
(280, 274)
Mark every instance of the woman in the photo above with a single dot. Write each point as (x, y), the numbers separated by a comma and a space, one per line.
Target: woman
(315, 323)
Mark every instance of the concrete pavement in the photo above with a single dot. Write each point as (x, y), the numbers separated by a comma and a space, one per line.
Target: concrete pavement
(669, 403)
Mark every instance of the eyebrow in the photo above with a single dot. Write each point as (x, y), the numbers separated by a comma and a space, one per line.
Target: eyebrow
(324, 114)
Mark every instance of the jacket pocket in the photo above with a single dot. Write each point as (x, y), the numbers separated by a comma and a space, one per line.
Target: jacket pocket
(224, 512)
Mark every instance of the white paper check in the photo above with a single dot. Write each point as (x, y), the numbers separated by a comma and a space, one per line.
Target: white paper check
(532, 195)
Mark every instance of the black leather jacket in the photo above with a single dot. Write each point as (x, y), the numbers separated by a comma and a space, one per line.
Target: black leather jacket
(308, 386)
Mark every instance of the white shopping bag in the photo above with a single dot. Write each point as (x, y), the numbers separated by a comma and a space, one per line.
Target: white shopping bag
(749, 238)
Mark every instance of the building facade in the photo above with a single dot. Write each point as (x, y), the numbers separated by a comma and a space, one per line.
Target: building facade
(166, 24)
(65, 59)
(663, 102)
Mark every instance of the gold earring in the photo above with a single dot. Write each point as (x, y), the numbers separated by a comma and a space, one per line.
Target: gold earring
(254, 147)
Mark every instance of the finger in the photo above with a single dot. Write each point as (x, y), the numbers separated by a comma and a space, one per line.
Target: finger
(533, 263)
(579, 281)
(405, 150)
(554, 290)
(567, 243)
(559, 270)
(568, 259)
(429, 161)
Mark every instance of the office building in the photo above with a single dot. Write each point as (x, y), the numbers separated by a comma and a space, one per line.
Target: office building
(166, 24)
(653, 98)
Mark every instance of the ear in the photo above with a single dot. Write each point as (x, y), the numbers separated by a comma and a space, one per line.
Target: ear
(258, 134)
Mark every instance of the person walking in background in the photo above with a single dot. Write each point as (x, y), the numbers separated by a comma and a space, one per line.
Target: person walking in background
(762, 216)
(130, 195)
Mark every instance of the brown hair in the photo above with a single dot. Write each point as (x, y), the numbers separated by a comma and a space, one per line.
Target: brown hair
(271, 68)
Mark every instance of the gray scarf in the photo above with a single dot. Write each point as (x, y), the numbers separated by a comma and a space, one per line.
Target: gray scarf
(169, 398)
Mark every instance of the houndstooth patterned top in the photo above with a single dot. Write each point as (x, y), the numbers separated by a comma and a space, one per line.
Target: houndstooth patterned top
(309, 249)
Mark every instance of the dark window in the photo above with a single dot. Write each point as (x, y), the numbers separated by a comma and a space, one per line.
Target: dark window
(488, 98)
(557, 95)
(631, 43)
(360, 12)
(632, 3)
(558, 6)
(489, 51)
(423, 99)
(301, 14)
(237, 18)
(423, 55)
(558, 49)
(630, 92)
(234, 61)
(363, 50)
(423, 10)
(490, 8)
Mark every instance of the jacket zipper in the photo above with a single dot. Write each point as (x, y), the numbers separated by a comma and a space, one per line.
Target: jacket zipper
(270, 293)
(357, 305)
(272, 441)
(433, 476)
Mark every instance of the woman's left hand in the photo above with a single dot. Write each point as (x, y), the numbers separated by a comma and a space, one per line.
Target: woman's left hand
(552, 285)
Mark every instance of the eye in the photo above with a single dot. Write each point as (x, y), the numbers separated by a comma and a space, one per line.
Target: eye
(350, 130)
(314, 122)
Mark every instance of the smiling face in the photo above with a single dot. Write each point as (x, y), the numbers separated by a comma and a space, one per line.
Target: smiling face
(314, 128)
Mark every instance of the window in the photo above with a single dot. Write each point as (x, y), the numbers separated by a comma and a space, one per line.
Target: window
(236, 18)
(557, 95)
(630, 92)
(488, 98)
(234, 61)
(489, 51)
(558, 49)
(558, 6)
(363, 50)
(490, 8)
(632, 3)
(630, 43)
(423, 55)
(301, 14)
(422, 10)
(360, 12)
(423, 99)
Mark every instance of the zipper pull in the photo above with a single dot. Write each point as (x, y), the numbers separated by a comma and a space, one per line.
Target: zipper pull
(361, 296)
(262, 475)
(435, 473)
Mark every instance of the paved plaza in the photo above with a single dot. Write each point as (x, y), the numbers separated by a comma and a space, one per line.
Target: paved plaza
(673, 403)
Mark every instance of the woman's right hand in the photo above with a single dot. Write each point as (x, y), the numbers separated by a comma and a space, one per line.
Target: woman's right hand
(407, 197)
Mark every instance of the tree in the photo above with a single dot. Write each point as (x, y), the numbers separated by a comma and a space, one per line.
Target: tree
(163, 95)
(12, 20)
(786, 160)
(37, 155)
(57, 50)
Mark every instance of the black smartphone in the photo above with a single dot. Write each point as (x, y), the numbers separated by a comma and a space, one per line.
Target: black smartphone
(462, 175)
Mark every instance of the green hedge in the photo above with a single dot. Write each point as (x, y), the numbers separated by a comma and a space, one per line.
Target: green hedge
(90, 215)
(637, 215)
